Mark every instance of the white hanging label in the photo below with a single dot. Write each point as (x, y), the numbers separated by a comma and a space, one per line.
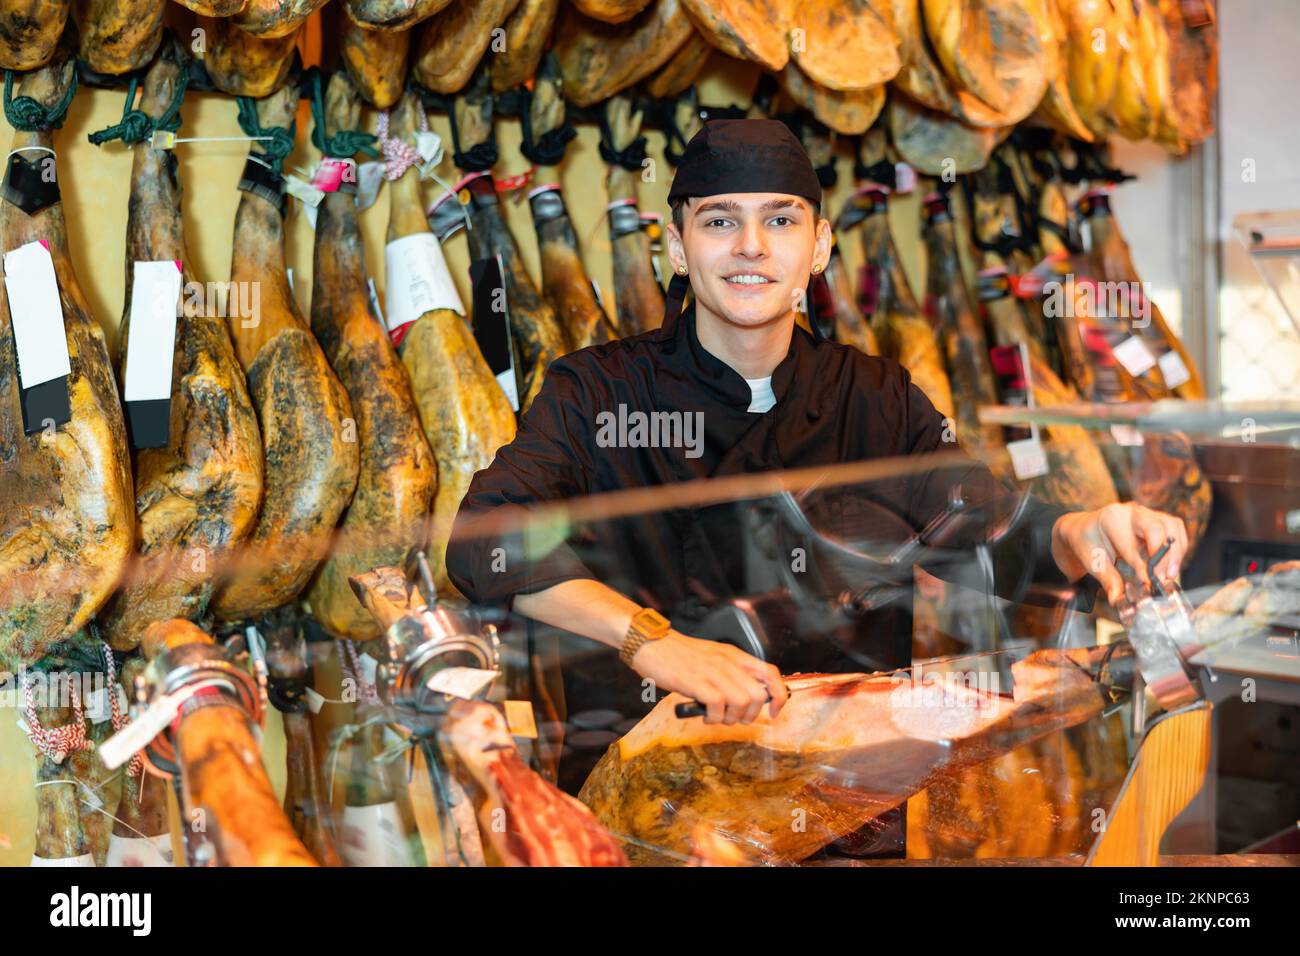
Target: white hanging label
(1028, 460)
(417, 280)
(36, 314)
(1174, 369)
(1134, 355)
(370, 176)
(151, 339)
(1126, 435)
(302, 190)
(462, 682)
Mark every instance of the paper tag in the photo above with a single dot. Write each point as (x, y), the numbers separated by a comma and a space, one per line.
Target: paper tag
(417, 280)
(1134, 355)
(314, 700)
(368, 666)
(904, 178)
(312, 212)
(86, 859)
(370, 176)
(331, 173)
(139, 851)
(1174, 369)
(162, 139)
(136, 735)
(36, 314)
(151, 340)
(1028, 460)
(374, 836)
(462, 682)
(428, 145)
(519, 717)
(303, 190)
(1126, 435)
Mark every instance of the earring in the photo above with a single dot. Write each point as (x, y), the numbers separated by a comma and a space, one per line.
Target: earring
(816, 269)
(681, 270)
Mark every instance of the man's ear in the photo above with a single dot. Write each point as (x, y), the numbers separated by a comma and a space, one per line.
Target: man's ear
(822, 249)
(676, 250)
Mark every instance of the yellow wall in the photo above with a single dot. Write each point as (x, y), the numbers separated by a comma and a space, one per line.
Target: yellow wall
(95, 183)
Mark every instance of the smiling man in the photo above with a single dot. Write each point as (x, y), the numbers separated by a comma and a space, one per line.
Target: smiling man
(747, 235)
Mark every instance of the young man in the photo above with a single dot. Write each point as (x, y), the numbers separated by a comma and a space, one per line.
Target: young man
(747, 235)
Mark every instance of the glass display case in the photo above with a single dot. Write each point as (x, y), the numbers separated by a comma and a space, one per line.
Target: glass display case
(952, 695)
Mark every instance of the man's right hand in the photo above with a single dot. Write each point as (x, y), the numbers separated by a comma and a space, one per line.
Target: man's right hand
(733, 685)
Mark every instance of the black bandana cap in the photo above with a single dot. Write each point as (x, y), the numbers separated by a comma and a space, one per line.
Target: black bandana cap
(745, 156)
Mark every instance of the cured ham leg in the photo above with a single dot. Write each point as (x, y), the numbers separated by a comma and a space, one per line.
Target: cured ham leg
(197, 498)
(270, 19)
(637, 293)
(599, 59)
(901, 329)
(398, 474)
(214, 8)
(376, 61)
(308, 430)
(66, 515)
(949, 309)
(118, 36)
(29, 30)
(451, 44)
(564, 278)
(465, 415)
(536, 332)
(391, 14)
(527, 31)
(245, 65)
(222, 775)
(844, 749)
(525, 820)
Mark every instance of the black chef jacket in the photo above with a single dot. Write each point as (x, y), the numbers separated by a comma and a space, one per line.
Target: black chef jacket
(834, 404)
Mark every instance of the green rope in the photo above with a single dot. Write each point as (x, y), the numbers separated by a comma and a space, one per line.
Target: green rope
(281, 140)
(344, 143)
(29, 116)
(136, 125)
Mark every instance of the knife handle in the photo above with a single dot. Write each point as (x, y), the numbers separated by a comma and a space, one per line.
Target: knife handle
(693, 708)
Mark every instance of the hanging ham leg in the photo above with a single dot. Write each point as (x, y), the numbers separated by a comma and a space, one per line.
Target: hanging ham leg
(398, 474)
(270, 19)
(29, 30)
(197, 498)
(392, 14)
(375, 59)
(637, 293)
(245, 65)
(118, 36)
(844, 749)
(538, 338)
(451, 44)
(564, 277)
(308, 430)
(66, 515)
(527, 31)
(465, 415)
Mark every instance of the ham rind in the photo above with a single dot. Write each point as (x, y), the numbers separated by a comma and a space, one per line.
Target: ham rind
(244, 65)
(222, 774)
(637, 294)
(29, 31)
(681, 70)
(525, 820)
(67, 519)
(611, 11)
(398, 474)
(118, 36)
(1192, 74)
(564, 277)
(937, 144)
(746, 29)
(465, 415)
(844, 749)
(845, 111)
(306, 418)
(527, 32)
(452, 43)
(391, 14)
(599, 60)
(375, 60)
(846, 45)
(198, 497)
(272, 19)
(214, 8)
(535, 330)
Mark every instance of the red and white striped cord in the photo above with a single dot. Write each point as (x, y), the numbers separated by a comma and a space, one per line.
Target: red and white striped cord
(398, 155)
(351, 661)
(55, 742)
(136, 766)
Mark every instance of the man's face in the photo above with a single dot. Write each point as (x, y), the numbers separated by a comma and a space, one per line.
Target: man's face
(749, 255)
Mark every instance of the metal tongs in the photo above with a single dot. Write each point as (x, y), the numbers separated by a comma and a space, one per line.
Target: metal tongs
(1160, 629)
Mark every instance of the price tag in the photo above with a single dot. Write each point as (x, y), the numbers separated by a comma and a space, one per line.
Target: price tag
(331, 173)
(1134, 355)
(136, 735)
(1174, 369)
(39, 336)
(519, 717)
(1126, 435)
(150, 350)
(1028, 460)
(462, 682)
(428, 146)
(314, 700)
(162, 139)
(904, 178)
(370, 176)
(417, 280)
(369, 667)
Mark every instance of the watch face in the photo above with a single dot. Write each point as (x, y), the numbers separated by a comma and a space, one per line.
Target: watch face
(651, 622)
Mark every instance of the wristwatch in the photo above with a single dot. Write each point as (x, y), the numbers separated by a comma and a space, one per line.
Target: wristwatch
(647, 625)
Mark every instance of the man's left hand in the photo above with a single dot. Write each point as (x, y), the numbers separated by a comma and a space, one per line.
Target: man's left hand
(1088, 542)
